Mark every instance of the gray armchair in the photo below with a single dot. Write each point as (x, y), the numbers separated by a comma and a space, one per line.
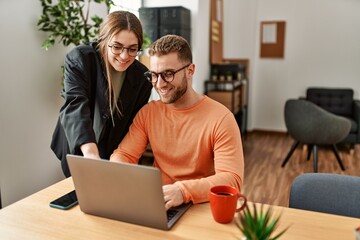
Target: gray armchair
(341, 102)
(309, 124)
(327, 193)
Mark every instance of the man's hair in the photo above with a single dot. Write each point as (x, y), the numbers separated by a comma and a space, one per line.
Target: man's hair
(169, 44)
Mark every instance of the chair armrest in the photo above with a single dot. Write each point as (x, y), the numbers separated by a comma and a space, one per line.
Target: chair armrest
(356, 117)
(356, 111)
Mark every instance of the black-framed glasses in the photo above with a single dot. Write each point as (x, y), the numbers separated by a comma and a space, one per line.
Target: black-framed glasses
(118, 49)
(167, 75)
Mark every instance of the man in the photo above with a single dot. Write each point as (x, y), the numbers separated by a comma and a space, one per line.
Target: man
(195, 140)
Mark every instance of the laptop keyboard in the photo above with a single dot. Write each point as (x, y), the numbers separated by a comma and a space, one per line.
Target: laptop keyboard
(171, 213)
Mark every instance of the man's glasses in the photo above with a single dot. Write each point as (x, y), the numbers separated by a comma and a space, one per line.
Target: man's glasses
(167, 76)
(118, 49)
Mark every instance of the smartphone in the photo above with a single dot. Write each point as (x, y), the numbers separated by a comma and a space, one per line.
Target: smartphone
(66, 201)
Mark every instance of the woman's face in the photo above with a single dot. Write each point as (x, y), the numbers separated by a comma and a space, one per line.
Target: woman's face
(123, 50)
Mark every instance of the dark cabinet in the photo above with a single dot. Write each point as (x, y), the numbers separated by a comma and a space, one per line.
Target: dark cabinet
(161, 21)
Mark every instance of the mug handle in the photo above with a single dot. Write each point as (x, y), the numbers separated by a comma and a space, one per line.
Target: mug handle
(244, 203)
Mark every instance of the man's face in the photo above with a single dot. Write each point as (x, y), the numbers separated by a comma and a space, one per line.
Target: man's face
(172, 90)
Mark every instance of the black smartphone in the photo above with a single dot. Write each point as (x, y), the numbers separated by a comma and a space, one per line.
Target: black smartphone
(66, 201)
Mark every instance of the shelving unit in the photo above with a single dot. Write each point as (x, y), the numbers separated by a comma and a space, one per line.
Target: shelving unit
(233, 95)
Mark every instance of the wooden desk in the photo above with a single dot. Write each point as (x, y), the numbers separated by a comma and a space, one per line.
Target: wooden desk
(32, 218)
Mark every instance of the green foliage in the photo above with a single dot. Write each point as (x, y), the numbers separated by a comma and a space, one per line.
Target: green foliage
(146, 42)
(69, 21)
(258, 224)
(214, 71)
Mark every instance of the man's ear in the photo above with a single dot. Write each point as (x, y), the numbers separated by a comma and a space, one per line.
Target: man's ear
(191, 69)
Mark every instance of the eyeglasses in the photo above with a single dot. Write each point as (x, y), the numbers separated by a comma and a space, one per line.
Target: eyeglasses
(167, 75)
(118, 49)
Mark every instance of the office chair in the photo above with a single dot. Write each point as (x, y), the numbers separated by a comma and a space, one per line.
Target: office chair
(309, 124)
(341, 102)
(327, 193)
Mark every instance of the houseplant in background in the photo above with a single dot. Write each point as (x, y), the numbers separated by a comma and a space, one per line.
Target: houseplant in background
(258, 223)
(144, 57)
(70, 21)
(214, 74)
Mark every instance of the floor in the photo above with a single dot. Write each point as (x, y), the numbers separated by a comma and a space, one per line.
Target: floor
(265, 181)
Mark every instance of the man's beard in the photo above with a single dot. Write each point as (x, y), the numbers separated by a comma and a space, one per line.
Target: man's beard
(177, 94)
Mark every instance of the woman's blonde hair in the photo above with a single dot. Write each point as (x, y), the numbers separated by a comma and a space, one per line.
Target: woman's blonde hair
(112, 25)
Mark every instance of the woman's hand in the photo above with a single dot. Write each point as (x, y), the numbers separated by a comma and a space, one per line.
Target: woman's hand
(90, 150)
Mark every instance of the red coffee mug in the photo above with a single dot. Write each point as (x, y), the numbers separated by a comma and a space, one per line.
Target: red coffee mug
(223, 203)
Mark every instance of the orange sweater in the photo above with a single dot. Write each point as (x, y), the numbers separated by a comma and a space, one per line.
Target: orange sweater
(195, 148)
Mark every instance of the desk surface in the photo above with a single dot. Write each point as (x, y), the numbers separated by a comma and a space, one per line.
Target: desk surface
(32, 218)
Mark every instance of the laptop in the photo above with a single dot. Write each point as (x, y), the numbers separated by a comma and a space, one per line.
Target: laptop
(126, 192)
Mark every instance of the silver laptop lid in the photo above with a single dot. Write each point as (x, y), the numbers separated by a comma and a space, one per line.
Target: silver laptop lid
(126, 192)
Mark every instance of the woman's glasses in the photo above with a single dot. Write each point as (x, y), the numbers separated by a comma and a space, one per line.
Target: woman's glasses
(118, 49)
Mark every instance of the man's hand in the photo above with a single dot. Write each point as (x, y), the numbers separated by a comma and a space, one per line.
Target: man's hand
(172, 196)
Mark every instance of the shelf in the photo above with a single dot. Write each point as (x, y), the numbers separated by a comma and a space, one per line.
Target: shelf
(223, 85)
(233, 95)
(231, 100)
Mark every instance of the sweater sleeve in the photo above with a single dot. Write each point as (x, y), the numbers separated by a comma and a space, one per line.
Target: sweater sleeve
(228, 163)
(135, 141)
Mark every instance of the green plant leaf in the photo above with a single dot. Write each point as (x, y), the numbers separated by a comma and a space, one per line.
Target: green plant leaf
(280, 234)
(258, 224)
(68, 21)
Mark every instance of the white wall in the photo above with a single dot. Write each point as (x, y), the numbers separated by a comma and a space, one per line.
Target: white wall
(29, 102)
(321, 49)
(239, 28)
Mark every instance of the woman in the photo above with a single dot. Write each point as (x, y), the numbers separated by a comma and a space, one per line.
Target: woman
(104, 87)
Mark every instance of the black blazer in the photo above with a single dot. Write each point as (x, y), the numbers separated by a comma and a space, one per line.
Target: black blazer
(86, 85)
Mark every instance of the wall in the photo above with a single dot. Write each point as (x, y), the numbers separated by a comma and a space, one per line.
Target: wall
(240, 26)
(321, 49)
(29, 102)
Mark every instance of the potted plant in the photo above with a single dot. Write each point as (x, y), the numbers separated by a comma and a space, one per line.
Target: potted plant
(214, 74)
(229, 76)
(144, 56)
(258, 224)
(70, 21)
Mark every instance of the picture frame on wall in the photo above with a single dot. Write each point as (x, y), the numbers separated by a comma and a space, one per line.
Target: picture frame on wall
(272, 39)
